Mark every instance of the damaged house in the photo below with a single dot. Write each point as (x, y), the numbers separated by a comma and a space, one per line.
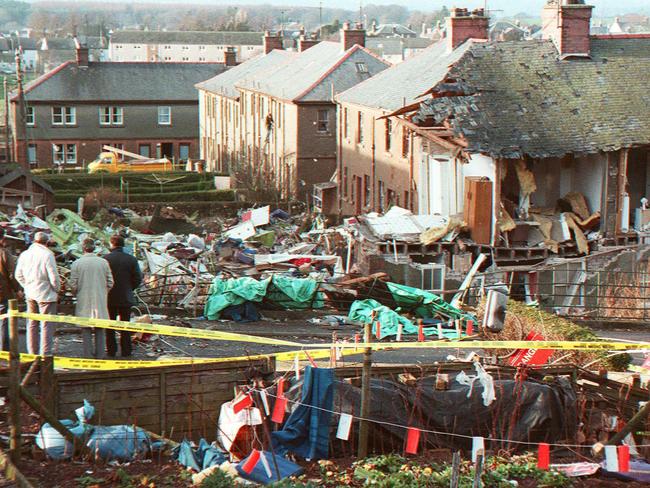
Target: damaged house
(542, 146)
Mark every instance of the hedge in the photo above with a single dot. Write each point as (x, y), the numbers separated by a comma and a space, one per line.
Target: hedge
(180, 196)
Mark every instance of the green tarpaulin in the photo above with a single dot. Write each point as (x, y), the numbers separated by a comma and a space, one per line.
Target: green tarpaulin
(285, 291)
(421, 303)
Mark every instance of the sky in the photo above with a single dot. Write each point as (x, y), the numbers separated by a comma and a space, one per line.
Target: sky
(501, 7)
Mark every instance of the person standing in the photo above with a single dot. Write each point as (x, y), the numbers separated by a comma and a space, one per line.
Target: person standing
(91, 279)
(8, 288)
(127, 277)
(37, 274)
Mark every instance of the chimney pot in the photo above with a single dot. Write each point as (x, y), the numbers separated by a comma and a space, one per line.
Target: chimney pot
(230, 56)
(461, 26)
(351, 37)
(567, 23)
(272, 41)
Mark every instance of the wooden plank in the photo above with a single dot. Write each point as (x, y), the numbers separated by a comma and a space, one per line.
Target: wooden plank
(162, 402)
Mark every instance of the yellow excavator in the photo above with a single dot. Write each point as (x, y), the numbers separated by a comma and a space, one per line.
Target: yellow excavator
(112, 161)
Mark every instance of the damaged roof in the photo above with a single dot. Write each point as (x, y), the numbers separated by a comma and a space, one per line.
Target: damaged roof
(224, 83)
(518, 98)
(402, 84)
(315, 73)
(121, 82)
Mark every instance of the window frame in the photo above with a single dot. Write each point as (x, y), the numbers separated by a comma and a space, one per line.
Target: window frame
(169, 115)
(65, 150)
(367, 191)
(325, 127)
(30, 117)
(359, 127)
(68, 115)
(112, 112)
(33, 147)
(388, 134)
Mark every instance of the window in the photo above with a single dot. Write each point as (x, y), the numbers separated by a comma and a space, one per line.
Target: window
(110, 116)
(388, 133)
(164, 116)
(406, 199)
(346, 127)
(185, 48)
(323, 123)
(201, 58)
(184, 151)
(359, 127)
(361, 67)
(30, 118)
(64, 153)
(201, 48)
(116, 145)
(64, 116)
(144, 150)
(392, 198)
(167, 47)
(366, 190)
(185, 58)
(345, 181)
(406, 139)
(31, 153)
(380, 190)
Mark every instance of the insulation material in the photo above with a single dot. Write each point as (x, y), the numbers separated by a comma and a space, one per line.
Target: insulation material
(506, 222)
(578, 204)
(436, 233)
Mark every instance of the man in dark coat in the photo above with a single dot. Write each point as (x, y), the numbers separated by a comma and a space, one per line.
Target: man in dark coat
(127, 277)
(8, 287)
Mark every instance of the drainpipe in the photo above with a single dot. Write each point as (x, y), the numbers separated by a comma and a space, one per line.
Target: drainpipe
(372, 171)
(411, 162)
(339, 173)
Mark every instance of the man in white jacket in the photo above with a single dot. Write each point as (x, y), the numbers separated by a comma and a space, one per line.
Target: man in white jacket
(36, 272)
(91, 279)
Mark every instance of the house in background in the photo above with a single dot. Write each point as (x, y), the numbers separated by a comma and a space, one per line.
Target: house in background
(182, 46)
(541, 146)
(397, 49)
(54, 51)
(391, 30)
(286, 111)
(71, 112)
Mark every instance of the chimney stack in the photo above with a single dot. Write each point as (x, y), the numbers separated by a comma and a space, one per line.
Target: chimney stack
(230, 56)
(567, 23)
(351, 36)
(82, 54)
(305, 42)
(464, 25)
(272, 41)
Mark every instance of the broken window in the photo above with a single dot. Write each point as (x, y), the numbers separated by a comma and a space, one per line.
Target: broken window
(366, 190)
(110, 116)
(380, 191)
(323, 122)
(164, 115)
(359, 127)
(406, 139)
(391, 198)
(64, 116)
(388, 133)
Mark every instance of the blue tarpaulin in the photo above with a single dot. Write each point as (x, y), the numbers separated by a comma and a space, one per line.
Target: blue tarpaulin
(306, 431)
(200, 458)
(259, 475)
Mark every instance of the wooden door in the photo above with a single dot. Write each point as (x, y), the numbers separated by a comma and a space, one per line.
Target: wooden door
(478, 208)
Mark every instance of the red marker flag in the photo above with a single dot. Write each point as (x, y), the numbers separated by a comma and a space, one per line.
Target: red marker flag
(378, 329)
(244, 402)
(420, 331)
(412, 440)
(623, 459)
(470, 327)
(278, 410)
(544, 456)
(251, 461)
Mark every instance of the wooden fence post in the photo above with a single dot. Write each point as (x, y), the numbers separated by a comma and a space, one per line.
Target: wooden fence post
(362, 451)
(14, 386)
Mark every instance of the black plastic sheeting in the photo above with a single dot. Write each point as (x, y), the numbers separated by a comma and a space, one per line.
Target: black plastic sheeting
(524, 411)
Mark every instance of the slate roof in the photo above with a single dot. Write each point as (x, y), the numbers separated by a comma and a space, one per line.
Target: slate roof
(188, 37)
(386, 30)
(403, 83)
(313, 73)
(121, 82)
(224, 83)
(518, 98)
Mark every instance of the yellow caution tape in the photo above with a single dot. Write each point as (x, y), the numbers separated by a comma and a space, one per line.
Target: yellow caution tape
(170, 330)
(113, 364)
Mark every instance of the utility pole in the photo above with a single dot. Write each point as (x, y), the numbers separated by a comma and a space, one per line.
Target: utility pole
(20, 123)
(7, 131)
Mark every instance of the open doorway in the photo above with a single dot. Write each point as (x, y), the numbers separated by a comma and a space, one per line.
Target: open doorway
(165, 150)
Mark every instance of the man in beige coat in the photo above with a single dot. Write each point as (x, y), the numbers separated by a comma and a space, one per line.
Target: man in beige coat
(91, 279)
